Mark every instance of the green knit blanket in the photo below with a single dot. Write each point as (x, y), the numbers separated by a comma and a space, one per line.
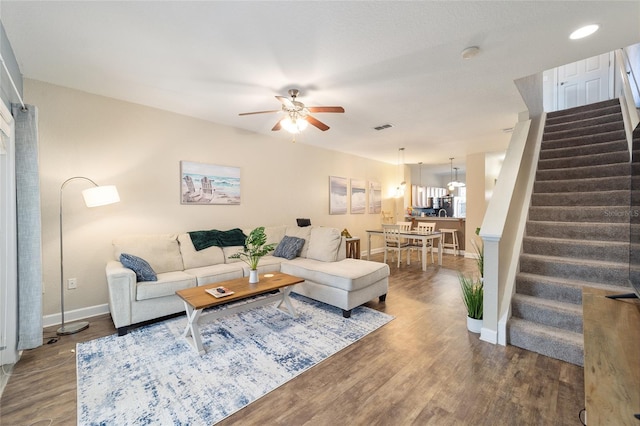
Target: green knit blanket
(204, 239)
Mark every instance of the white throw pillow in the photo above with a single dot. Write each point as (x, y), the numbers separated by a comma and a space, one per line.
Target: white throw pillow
(300, 232)
(161, 251)
(193, 258)
(324, 244)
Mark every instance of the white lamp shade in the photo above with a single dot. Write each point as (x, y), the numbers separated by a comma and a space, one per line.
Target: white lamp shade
(100, 195)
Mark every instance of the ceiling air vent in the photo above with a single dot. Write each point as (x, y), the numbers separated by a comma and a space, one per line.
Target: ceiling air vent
(384, 126)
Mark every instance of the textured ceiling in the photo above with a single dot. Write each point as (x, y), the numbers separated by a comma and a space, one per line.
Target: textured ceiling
(383, 61)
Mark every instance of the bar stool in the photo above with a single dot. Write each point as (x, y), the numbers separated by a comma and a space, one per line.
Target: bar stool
(454, 240)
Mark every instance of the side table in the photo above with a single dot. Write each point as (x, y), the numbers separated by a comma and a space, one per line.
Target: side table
(353, 247)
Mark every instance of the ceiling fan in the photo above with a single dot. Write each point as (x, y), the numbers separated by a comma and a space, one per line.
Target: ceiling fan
(297, 115)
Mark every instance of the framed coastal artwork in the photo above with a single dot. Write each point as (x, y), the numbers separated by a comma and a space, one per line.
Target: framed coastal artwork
(358, 196)
(209, 184)
(375, 197)
(338, 198)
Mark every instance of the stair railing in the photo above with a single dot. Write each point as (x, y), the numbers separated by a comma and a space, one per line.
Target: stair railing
(627, 102)
(503, 226)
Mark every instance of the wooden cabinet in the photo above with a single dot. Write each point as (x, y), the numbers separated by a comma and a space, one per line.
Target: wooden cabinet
(611, 358)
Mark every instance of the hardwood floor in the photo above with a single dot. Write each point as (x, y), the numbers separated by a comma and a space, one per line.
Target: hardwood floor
(423, 368)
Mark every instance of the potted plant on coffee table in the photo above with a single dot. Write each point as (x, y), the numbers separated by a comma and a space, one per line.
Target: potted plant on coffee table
(255, 246)
(473, 296)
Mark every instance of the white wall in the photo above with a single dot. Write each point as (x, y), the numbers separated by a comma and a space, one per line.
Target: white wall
(139, 149)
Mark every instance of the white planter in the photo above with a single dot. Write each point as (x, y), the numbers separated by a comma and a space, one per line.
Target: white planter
(474, 325)
(253, 276)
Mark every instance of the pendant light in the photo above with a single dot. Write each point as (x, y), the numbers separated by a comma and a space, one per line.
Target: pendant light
(453, 184)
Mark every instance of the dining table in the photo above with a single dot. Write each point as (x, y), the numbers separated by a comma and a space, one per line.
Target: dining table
(413, 235)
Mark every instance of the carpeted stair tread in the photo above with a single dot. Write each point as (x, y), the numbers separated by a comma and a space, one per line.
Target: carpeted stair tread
(579, 230)
(596, 120)
(577, 116)
(591, 149)
(566, 316)
(584, 140)
(587, 270)
(583, 108)
(584, 172)
(550, 341)
(584, 160)
(582, 131)
(609, 183)
(583, 249)
(601, 198)
(594, 214)
(566, 290)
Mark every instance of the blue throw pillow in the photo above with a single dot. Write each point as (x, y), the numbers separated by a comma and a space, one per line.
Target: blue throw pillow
(289, 247)
(144, 271)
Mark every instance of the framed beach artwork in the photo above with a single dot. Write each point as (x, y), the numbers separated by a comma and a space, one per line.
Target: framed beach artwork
(337, 195)
(358, 196)
(375, 197)
(209, 184)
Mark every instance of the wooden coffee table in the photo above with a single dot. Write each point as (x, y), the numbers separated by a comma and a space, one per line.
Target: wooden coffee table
(246, 296)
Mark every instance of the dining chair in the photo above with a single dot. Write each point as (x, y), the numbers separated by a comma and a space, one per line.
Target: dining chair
(393, 242)
(423, 228)
(405, 227)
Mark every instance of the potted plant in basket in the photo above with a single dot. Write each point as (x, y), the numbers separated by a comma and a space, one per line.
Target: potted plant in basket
(255, 246)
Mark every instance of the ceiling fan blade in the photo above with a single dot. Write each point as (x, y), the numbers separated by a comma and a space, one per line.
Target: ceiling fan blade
(259, 112)
(326, 109)
(315, 122)
(286, 102)
(277, 126)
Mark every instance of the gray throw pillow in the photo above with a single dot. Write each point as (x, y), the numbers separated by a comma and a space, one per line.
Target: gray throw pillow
(144, 271)
(289, 247)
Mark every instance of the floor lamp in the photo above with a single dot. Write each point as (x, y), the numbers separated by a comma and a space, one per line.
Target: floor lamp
(93, 197)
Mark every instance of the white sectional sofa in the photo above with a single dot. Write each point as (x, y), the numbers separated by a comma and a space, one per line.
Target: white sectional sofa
(329, 276)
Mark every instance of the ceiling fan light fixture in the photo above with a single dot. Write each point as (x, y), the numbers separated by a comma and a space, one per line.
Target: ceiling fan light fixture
(294, 125)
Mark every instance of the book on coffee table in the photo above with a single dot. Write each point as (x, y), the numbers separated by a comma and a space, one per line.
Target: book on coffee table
(219, 292)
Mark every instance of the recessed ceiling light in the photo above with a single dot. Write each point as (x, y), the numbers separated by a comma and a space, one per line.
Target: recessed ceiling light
(583, 32)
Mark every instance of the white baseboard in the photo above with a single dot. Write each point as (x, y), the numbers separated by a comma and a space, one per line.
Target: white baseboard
(487, 335)
(75, 315)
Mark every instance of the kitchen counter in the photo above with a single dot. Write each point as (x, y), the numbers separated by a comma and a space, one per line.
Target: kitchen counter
(457, 223)
(432, 218)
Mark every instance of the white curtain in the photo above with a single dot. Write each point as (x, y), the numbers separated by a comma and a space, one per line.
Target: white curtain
(29, 227)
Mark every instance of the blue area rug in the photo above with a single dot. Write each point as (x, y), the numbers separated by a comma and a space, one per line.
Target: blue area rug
(152, 376)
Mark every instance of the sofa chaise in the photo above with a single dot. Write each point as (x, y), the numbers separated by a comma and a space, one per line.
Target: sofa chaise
(329, 276)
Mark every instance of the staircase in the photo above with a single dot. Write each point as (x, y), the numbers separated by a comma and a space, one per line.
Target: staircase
(577, 233)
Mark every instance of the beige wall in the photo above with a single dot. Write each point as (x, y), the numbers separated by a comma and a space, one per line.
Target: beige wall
(139, 149)
(477, 198)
